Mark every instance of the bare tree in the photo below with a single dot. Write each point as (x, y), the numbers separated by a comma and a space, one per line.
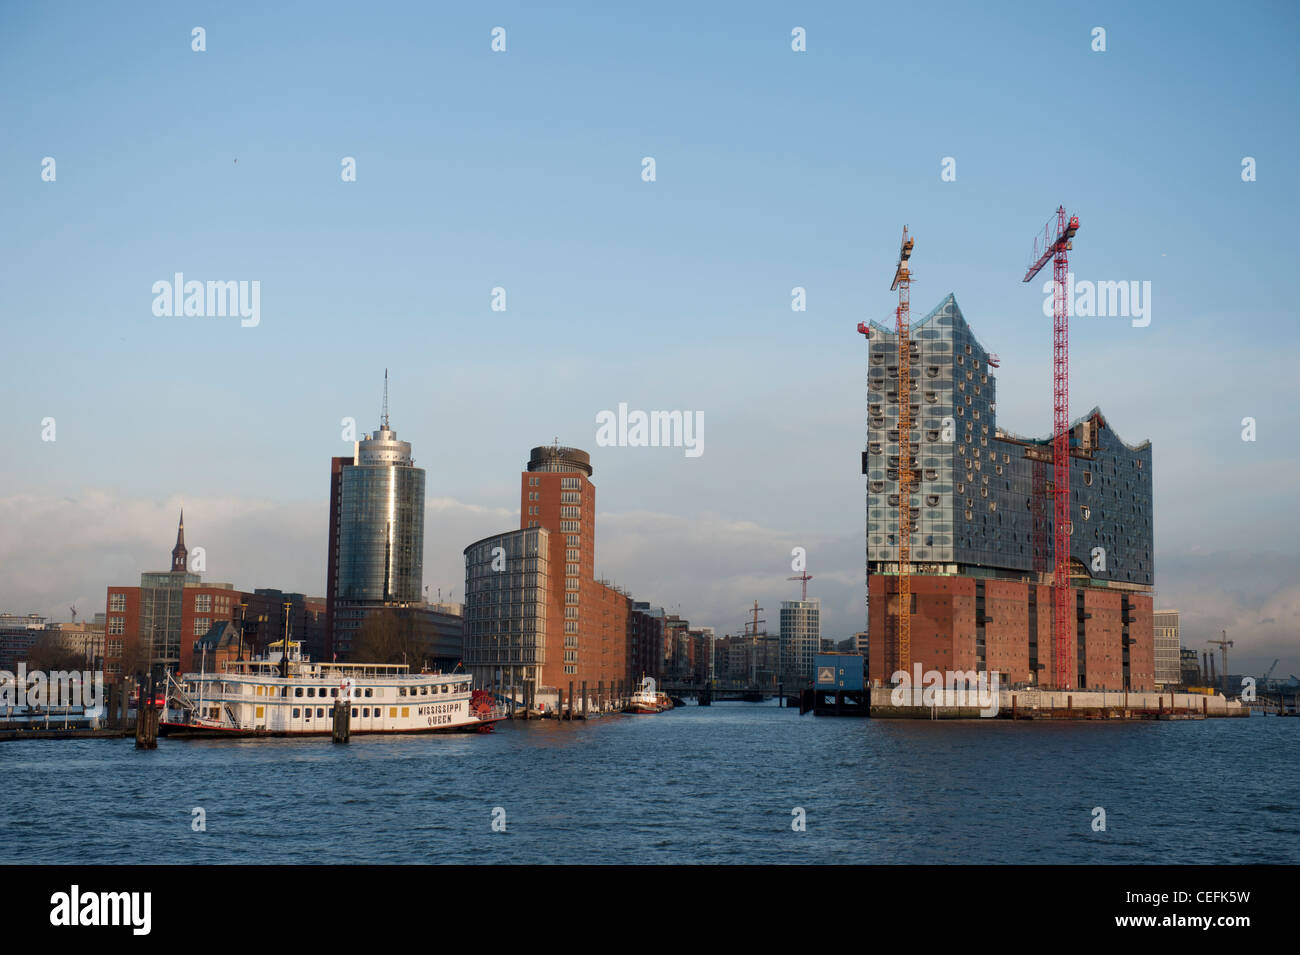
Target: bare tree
(389, 637)
(50, 653)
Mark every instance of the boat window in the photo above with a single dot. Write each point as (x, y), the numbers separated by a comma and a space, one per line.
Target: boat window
(296, 712)
(354, 712)
(307, 713)
(334, 691)
(424, 691)
(320, 712)
(311, 691)
(297, 691)
(401, 691)
(368, 691)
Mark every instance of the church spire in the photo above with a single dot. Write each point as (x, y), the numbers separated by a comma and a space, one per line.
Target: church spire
(180, 554)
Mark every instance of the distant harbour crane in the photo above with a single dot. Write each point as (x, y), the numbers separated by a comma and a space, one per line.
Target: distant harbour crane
(1223, 645)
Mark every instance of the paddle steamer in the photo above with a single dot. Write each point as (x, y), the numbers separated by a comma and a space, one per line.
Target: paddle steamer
(293, 696)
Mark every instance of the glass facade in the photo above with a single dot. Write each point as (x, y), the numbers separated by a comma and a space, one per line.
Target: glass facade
(973, 501)
(161, 596)
(1169, 665)
(801, 638)
(381, 534)
(506, 586)
(380, 549)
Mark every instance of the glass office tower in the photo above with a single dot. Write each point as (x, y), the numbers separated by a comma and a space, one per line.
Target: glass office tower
(380, 534)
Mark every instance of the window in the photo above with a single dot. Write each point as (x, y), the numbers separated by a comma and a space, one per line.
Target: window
(320, 712)
(116, 625)
(201, 626)
(203, 603)
(296, 712)
(117, 602)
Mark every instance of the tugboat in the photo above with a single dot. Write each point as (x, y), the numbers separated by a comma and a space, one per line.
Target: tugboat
(647, 700)
(285, 694)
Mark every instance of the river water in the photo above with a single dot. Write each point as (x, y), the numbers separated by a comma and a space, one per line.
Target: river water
(716, 784)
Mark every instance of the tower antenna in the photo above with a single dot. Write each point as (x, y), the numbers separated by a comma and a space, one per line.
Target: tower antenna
(383, 418)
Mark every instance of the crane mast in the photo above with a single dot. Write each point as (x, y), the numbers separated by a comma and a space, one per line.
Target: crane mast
(902, 282)
(1057, 241)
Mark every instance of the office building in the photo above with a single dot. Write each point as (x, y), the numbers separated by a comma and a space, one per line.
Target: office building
(376, 535)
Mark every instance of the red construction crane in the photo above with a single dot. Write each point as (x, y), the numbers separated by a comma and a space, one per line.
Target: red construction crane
(1057, 241)
(902, 282)
(805, 577)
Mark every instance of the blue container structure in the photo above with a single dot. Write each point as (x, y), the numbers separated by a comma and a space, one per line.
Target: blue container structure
(839, 688)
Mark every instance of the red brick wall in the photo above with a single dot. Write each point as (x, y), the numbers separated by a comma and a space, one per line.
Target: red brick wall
(224, 606)
(943, 624)
(1103, 649)
(1006, 634)
(545, 511)
(1142, 649)
(130, 637)
(943, 631)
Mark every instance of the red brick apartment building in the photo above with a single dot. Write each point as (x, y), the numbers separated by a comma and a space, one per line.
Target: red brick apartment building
(535, 615)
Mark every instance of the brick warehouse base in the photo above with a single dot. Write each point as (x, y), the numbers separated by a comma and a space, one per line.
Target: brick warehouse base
(986, 624)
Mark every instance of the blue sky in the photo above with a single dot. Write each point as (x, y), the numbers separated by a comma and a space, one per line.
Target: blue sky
(522, 169)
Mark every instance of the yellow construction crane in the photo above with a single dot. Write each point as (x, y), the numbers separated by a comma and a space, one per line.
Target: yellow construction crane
(902, 282)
